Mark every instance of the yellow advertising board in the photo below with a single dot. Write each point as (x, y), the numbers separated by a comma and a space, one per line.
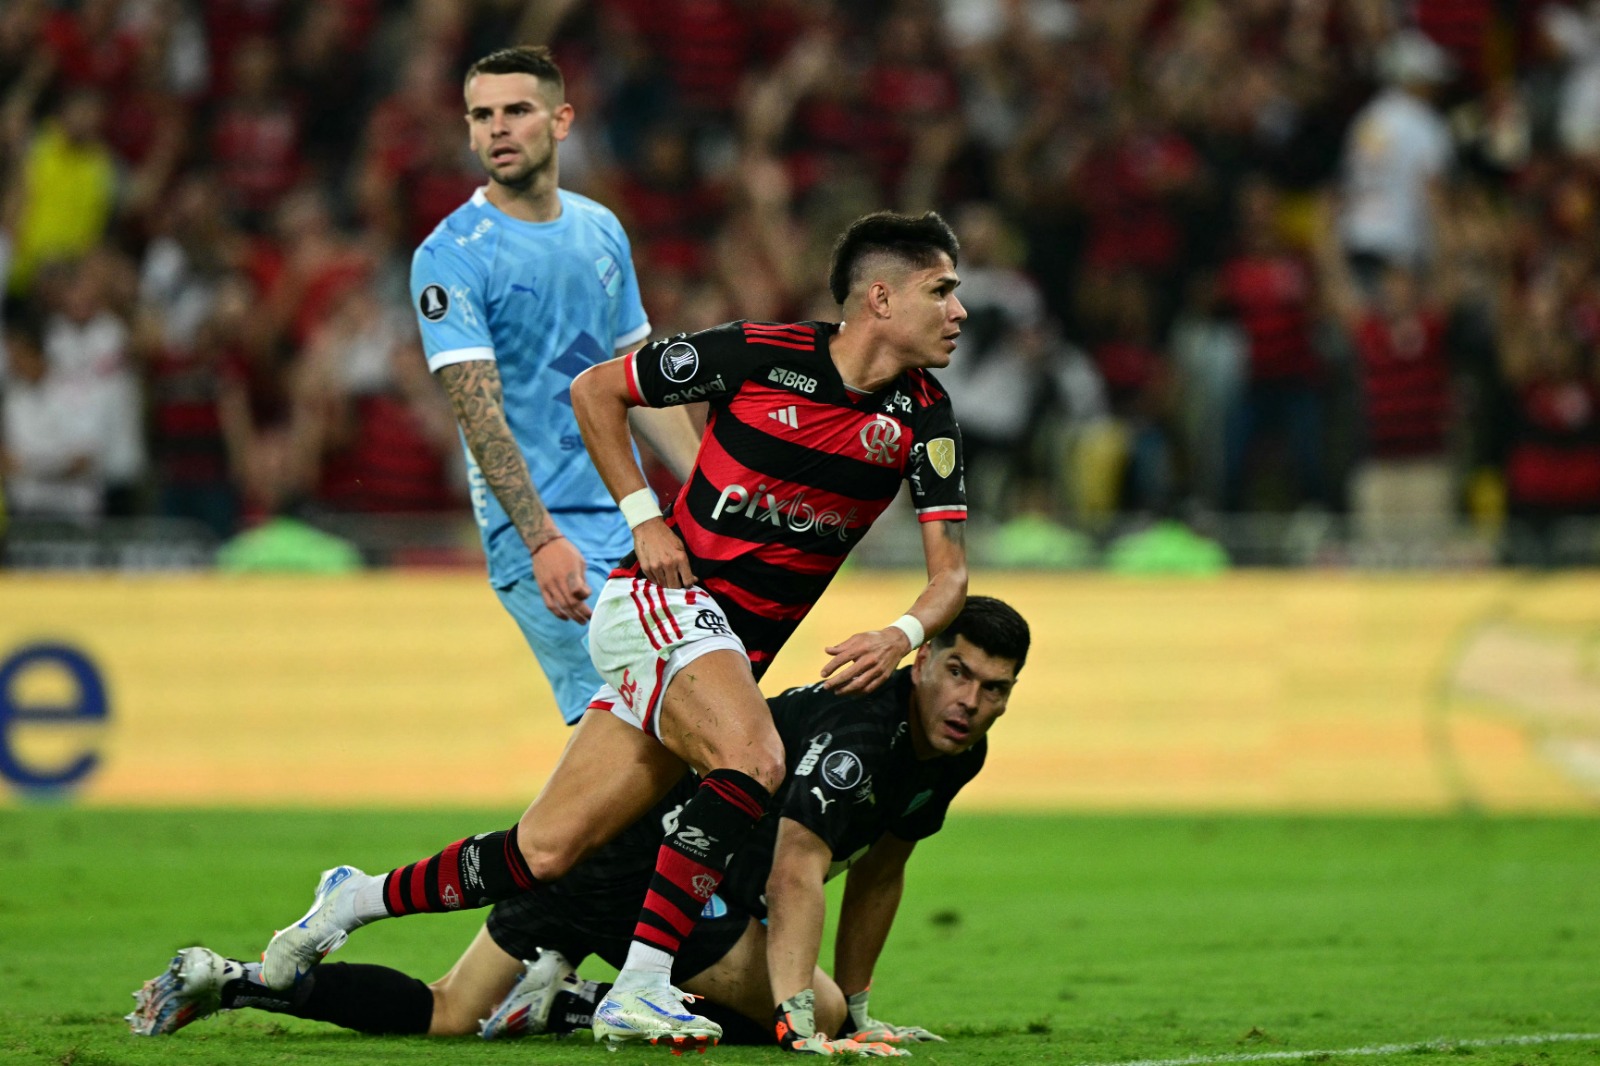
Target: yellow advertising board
(1265, 691)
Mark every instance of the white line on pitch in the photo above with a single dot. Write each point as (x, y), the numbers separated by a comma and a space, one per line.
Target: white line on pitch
(1372, 1049)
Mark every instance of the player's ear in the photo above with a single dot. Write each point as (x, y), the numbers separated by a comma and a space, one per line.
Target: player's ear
(561, 120)
(878, 299)
(920, 663)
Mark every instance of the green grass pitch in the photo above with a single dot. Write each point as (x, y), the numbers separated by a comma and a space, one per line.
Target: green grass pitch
(1025, 939)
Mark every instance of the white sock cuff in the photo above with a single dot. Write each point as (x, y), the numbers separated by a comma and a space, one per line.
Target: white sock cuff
(367, 902)
(645, 966)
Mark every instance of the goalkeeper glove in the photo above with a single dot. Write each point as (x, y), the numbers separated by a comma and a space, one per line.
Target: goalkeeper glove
(794, 1021)
(867, 1028)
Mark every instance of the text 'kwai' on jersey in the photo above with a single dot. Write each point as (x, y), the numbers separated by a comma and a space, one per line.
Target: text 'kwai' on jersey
(795, 465)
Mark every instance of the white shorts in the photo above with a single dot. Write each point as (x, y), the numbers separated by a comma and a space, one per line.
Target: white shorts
(641, 635)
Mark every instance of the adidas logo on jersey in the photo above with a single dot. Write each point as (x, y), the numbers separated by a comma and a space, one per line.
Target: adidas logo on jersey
(786, 415)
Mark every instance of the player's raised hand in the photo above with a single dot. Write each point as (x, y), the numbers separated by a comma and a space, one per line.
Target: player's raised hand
(864, 661)
(661, 555)
(868, 1029)
(562, 577)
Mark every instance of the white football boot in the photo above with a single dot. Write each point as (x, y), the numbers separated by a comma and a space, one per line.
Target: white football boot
(526, 1009)
(189, 989)
(654, 1014)
(326, 926)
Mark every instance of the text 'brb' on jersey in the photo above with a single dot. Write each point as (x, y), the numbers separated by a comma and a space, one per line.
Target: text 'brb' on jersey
(794, 467)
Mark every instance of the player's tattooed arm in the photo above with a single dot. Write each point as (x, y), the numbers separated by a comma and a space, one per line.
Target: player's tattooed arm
(558, 566)
(479, 402)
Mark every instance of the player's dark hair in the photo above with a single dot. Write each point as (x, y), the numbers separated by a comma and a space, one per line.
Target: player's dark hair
(533, 59)
(991, 625)
(916, 240)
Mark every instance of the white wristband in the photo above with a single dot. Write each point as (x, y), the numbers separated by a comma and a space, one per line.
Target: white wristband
(912, 628)
(639, 507)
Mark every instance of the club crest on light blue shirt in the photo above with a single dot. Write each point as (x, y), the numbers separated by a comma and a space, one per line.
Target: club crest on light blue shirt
(609, 274)
(464, 298)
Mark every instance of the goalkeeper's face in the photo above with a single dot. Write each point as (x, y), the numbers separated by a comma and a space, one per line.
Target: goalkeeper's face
(957, 693)
(514, 126)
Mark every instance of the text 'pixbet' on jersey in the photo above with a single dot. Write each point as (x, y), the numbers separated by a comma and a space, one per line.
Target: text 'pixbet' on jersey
(764, 506)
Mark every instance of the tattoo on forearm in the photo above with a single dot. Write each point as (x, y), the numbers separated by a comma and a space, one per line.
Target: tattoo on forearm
(956, 533)
(475, 394)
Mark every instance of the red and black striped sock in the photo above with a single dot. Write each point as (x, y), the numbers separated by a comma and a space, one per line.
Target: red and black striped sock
(693, 857)
(470, 873)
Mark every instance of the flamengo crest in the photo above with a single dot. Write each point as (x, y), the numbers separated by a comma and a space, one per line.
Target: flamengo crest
(881, 438)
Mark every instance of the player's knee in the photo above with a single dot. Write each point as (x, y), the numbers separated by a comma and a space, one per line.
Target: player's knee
(549, 845)
(771, 774)
(755, 750)
(549, 862)
(764, 762)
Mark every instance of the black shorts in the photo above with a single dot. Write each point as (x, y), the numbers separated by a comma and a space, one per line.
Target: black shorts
(593, 910)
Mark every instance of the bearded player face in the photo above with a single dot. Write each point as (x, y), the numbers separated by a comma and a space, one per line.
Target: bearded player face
(514, 125)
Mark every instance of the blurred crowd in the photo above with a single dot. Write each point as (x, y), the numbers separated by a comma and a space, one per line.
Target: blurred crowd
(1220, 256)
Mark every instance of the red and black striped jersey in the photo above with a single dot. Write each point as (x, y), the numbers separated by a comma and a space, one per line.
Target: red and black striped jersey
(794, 466)
(1272, 295)
(1405, 376)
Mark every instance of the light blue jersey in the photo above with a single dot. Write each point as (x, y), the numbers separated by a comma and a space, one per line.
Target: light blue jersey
(545, 301)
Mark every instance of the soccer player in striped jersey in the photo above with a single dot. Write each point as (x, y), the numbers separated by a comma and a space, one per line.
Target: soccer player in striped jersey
(813, 427)
(869, 777)
(518, 291)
